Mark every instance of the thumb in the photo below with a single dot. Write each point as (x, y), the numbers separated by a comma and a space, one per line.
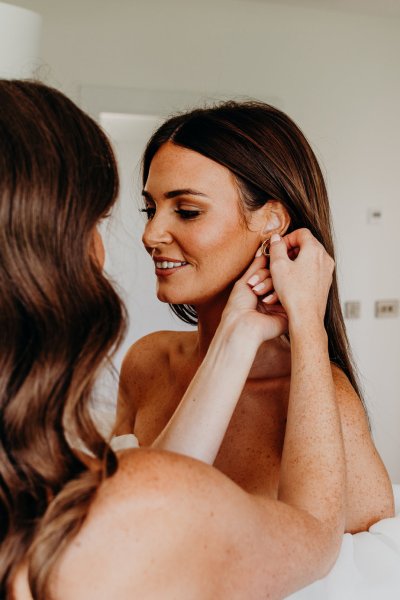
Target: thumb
(278, 248)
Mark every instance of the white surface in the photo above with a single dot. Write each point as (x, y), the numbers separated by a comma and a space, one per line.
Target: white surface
(19, 41)
(368, 566)
(338, 76)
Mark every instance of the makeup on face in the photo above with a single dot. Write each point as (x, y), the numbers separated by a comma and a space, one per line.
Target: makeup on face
(195, 232)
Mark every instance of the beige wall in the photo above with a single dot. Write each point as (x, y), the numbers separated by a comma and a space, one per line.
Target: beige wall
(337, 75)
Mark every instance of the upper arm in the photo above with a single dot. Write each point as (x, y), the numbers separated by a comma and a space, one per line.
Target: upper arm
(369, 491)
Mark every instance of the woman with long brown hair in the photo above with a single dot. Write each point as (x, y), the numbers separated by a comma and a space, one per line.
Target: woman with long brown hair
(145, 523)
(218, 182)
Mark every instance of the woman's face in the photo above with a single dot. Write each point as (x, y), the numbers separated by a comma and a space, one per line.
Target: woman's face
(196, 233)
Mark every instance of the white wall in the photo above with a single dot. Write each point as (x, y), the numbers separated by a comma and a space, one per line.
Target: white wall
(19, 40)
(337, 75)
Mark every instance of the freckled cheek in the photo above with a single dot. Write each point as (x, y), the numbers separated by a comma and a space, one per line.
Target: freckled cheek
(206, 245)
(221, 251)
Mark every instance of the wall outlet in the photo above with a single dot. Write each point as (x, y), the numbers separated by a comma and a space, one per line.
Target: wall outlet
(352, 310)
(386, 308)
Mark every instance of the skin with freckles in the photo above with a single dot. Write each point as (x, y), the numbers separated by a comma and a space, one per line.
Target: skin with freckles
(213, 232)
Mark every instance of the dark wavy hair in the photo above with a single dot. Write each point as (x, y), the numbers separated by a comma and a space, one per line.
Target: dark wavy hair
(270, 159)
(59, 320)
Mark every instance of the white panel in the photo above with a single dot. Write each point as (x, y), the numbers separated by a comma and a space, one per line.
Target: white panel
(19, 41)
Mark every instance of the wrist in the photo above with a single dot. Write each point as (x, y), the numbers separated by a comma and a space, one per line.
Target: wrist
(304, 327)
(237, 331)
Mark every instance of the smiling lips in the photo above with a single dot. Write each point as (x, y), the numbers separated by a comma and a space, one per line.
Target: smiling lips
(167, 266)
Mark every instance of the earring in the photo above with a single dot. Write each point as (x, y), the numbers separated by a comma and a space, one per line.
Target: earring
(265, 247)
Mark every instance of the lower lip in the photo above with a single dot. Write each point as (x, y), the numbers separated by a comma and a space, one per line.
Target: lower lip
(167, 272)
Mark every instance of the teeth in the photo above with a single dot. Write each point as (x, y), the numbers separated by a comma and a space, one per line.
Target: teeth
(169, 265)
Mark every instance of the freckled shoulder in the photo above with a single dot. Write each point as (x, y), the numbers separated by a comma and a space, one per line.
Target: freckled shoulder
(147, 361)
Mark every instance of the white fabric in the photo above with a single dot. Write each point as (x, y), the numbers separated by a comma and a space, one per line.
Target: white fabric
(124, 442)
(368, 566)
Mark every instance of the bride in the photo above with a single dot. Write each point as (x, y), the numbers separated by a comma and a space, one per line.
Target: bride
(217, 183)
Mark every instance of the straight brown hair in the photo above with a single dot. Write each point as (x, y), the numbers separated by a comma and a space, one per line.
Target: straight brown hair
(59, 320)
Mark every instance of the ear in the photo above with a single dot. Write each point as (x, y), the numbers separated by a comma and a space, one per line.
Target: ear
(276, 219)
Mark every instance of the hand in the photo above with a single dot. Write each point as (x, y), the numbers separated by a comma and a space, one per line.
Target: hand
(301, 271)
(246, 307)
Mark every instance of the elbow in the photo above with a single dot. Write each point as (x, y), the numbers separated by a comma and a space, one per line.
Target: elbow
(330, 537)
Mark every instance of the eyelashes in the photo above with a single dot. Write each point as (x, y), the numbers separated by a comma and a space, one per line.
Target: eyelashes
(149, 212)
(186, 215)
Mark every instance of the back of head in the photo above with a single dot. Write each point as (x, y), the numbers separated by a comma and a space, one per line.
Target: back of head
(59, 317)
(271, 160)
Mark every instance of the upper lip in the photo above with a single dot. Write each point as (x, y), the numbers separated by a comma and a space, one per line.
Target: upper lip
(165, 259)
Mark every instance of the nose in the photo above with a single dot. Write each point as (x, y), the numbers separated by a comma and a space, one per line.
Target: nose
(156, 233)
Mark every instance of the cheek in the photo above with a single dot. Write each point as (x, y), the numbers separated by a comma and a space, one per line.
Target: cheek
(228, 251)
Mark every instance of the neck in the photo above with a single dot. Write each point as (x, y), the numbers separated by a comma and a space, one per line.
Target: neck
(273, 357)
(209, 317)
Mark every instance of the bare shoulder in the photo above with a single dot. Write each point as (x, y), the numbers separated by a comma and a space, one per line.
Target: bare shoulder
(369, 491)
(154, 346)
(159, 346)
(139, 535)
(142, 370)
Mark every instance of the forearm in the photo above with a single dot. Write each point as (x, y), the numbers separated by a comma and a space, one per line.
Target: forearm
(199, 424)
(313, 468)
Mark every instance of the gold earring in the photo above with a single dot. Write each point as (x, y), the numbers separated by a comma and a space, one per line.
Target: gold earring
(265, 247)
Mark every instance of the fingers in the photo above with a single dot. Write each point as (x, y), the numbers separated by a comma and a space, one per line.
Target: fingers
(271, 298)
(297, 238)
(291, 244)
(257, 264)
(260, 282)
(278, 248)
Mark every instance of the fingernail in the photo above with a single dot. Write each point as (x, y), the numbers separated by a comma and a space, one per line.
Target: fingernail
(259, 253)
(275, 237)
(253, 280)
(259, 287)
(268, 298)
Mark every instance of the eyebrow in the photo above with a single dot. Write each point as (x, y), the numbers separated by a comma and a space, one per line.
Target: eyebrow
(175, 193)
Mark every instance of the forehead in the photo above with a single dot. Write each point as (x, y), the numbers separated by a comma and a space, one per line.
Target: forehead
(174, 167)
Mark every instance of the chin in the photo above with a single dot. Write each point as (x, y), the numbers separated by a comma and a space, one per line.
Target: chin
(190, 297)
(169, 298)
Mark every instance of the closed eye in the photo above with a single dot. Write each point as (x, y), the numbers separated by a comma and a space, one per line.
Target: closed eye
(187, 214)
(183, 214)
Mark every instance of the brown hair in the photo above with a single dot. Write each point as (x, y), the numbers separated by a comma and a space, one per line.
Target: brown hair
(59, 319)
(270, 159)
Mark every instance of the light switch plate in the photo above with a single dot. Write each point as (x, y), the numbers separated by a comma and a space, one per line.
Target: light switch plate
(352, 309)
(386, 309)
